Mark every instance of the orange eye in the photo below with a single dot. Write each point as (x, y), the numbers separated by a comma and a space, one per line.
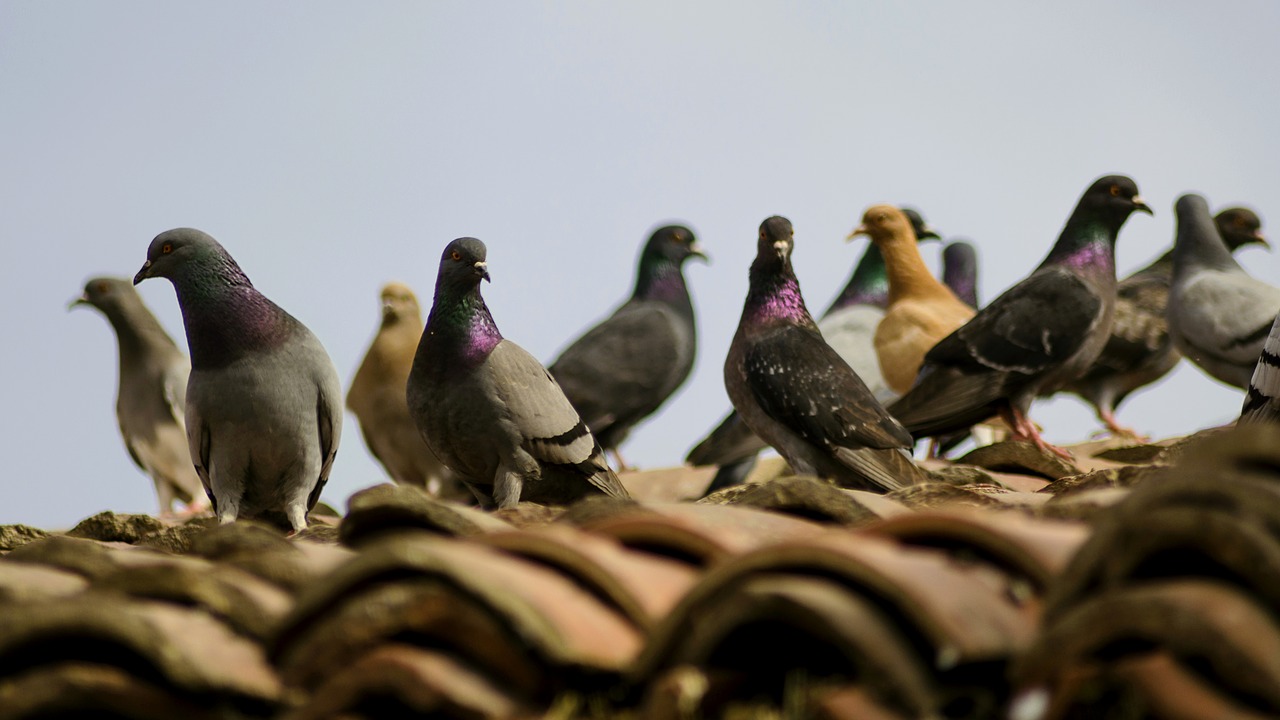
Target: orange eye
(455, 255)
(1115, 191)
(102, 288)
(166, 249)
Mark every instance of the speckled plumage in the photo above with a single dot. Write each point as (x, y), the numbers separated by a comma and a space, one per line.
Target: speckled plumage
(264, 407)
(793, 391)
(151, 394)
(1037, 336)
(488, 409)
(623, 369)
(1219, 315)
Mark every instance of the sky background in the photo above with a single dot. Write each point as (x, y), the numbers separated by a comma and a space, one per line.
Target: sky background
(332, 147)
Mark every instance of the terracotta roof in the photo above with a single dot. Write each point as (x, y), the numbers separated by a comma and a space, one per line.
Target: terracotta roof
(1138, 580)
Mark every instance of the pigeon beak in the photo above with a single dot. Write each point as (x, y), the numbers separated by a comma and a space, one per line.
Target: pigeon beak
(482, 269)
(1141, 205)
(695, 250)
(860, 230)
(75, 302)
(929, 233)
(143, 274)
(781, 247)
(1261, 239)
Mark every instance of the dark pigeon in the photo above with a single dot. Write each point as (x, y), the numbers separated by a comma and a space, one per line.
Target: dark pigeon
(797, 394)
(622, 370)
(151, 395)
(848, 326)
(264, 407)
(1140, 350)
(1219, 316)
(1039, 335)
(488, 409)
(960, 271)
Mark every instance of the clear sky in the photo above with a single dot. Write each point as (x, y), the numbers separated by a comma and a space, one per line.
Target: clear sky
(334, 146)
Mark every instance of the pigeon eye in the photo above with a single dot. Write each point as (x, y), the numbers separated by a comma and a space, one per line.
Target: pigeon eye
(1115, 191)
(455, 255)
(101, 288)
(166, 249)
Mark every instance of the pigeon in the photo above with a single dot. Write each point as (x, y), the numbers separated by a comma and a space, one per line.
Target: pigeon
(1262, 401)
(1140, 350)
(921, 309)
(151, 396)
(848, 326)
(377, 398)
(796, 393)
(960, 271)
(264, 407)
(1218, 314)
(489, 410)
(622, 370)
(1040, 334)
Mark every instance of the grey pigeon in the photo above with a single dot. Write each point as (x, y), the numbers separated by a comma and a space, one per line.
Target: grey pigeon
(848, 326)
(1040, 334)
(797, 394)
(488, 409)
(1140, 350)
(377, 398)
(264, 408)
(1262, 401)
(1218, 314)
(151, 395)
(623, 369)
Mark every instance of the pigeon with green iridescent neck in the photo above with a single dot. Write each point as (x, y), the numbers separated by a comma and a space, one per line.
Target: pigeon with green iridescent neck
(264, 407)
(1219, 315)
(848, 326)
(1039, 335)
(1140, 350)
(797, 394)
(622, 370)
(488, 409)
(151, 394)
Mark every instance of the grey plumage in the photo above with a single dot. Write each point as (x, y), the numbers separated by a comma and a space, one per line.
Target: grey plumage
(488, 409)
(377, 398)
(1262, 401)
(623, 369)
(264, 407)
(795, 392)
(1140, 350)
(151, 392)
(1219, 316)
(1034, 338)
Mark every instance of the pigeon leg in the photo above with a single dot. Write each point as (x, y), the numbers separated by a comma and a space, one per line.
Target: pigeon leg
(165, 494)
(1026, 431)
(622, 464)
(507, 484)
(1108, 418)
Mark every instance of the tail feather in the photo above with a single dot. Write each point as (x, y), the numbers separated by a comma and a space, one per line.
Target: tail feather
(1262, 401)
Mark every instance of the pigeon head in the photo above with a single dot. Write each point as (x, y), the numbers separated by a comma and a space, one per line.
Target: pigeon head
(883, 223)
(399, 304)
(1114, 198)
(103, 293)
(176, 254)
(462, 265)
(1239, 227)
(777, 239)
(960, 271)
(673, 243)
(924, 231)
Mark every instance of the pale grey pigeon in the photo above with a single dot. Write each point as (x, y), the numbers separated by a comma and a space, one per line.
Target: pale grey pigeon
(793, 390)
(1040, 334)
(264, 407)
(151, 394)
(488, 409)
(622, 370)
(1218, 314)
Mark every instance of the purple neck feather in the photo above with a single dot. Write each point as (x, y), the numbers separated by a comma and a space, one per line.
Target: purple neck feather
(776, 300)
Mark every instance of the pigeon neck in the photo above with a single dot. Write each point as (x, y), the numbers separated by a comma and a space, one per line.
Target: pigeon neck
(1199, 245)
(466, 324)
(137, 329)
(869, 284)
(908, 275)
(1085, 246)
(225, 317)
(774, 297)
(661, 279)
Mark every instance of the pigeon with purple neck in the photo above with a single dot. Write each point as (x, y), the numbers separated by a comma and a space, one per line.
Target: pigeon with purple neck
(264, 407)
(488, 409)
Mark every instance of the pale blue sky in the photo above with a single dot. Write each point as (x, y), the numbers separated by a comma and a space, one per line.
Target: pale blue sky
(333, 146)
